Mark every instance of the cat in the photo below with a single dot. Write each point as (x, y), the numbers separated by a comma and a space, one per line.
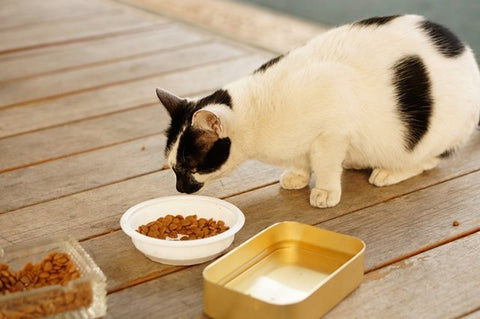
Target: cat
(395, 94)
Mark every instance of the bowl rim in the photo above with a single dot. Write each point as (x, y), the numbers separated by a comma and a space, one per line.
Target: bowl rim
(126, 227)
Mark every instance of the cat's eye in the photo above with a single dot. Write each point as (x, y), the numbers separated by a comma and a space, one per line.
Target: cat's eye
(193, 170)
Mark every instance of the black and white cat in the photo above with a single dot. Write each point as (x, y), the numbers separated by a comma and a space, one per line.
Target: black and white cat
(395, 94)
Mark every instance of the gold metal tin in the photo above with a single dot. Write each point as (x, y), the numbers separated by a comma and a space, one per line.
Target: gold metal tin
(289, 270)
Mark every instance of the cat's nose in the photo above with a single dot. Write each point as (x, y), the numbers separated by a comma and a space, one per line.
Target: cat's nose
(188, 186)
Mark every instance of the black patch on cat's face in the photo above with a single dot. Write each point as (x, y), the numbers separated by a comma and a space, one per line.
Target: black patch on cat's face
(444, 40)
(180, 117)
(268, 64)
(376, 21)
(202, 154)
(183, 112)
(413, 92)
(199, 152)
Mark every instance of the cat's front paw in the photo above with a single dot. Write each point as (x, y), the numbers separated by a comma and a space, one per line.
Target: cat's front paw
(324, 198)
(292, 180)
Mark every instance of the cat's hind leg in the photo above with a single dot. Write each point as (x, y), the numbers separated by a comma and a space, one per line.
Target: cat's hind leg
(296, 177)
(384, 177)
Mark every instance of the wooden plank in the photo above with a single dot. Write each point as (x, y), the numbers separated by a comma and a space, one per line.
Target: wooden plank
(74, 55)
(53, 85)
(93, 103)
(47, 145)
(178, 295)
(121, 274)
(96, 25)
(97, 211)
(21, 12)
(77, 173)
(440, 283)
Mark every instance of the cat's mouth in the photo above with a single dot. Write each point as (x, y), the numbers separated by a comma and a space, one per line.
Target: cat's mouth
(187, 184)
(188, 188)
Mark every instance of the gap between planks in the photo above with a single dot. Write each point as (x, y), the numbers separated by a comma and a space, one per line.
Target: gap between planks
(474, 312)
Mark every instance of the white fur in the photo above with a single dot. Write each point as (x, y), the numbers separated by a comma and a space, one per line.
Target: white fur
(331, 102)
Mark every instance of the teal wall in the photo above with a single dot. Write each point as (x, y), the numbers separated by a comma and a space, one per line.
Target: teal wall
(461, 16)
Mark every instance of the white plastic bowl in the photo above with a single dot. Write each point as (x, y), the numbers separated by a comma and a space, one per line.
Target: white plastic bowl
(186, 252)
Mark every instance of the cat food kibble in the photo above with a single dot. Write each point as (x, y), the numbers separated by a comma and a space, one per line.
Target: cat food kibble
(54, 269)
(183, 228)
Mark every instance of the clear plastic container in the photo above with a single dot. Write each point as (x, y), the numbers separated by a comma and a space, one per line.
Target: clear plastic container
(83, 297)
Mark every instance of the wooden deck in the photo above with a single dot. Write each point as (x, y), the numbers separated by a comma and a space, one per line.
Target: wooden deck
(81, 141)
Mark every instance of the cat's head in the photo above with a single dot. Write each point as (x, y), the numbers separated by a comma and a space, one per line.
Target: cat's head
(197, 143)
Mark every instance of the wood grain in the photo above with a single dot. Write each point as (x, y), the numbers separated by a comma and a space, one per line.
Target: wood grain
(95, 25)
(77, 173)
(15, 14)
(423, 282)
(93, 52)
(71, 81)
(120, 97)
(47, 145)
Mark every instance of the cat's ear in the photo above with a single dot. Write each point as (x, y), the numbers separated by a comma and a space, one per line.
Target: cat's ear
(206, 120)
(169, 100)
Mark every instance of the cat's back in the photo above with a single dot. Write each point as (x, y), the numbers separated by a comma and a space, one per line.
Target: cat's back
(376, 42)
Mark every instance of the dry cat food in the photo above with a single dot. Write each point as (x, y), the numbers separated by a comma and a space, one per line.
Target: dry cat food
(183, 228)
(54, 269)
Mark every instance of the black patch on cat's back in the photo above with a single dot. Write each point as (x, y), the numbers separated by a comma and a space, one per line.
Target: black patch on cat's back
(446, 42)
(218, 97)
(447, 154)
(413, 93)
(376, 21)
(268, 64)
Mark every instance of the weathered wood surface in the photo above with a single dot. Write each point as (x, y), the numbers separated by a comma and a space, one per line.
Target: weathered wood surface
(119, 97)
(81, 141)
